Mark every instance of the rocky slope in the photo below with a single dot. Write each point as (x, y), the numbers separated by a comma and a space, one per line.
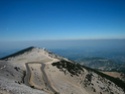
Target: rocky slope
(38, 71)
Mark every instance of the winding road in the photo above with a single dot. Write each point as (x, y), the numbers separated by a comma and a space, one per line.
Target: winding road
(45, 78)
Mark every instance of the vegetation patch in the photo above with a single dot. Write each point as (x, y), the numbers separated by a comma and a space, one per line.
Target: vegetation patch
(73, 68)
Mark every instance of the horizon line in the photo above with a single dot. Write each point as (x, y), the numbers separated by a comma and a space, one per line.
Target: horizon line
(63, 39)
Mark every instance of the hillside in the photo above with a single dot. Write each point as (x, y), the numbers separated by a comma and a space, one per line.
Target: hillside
(38, 71)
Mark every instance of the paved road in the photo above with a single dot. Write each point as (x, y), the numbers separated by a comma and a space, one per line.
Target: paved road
(28, 75)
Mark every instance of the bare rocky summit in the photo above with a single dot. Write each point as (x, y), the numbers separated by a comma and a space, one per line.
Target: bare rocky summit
(38, 71)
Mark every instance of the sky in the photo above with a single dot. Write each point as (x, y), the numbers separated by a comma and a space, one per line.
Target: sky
(27, 20)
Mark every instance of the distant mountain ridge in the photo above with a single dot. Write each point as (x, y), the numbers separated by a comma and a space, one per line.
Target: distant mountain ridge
(102, 64)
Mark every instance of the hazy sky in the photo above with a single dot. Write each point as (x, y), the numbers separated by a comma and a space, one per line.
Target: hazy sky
(61, 19)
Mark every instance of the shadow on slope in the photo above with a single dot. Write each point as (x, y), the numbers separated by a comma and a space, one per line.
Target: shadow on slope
(18, 53)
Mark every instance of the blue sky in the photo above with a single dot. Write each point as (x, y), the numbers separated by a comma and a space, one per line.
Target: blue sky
(22, 20)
